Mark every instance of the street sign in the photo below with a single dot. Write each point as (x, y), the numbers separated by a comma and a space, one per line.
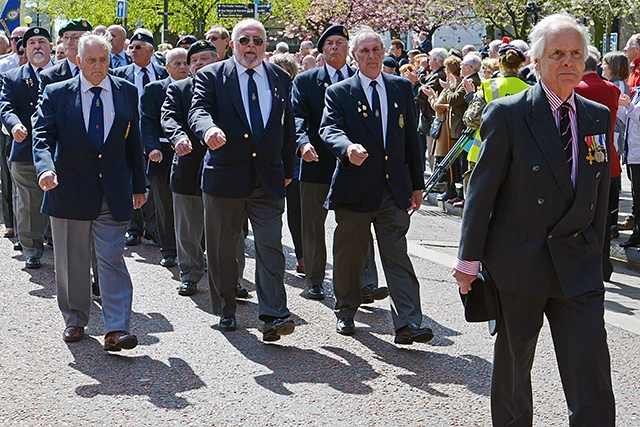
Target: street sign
(613, 43)
(122, 9)
(240, 10)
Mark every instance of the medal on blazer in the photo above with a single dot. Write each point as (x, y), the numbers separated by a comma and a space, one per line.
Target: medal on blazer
(401, 121)
(126, 133)
(596, 148)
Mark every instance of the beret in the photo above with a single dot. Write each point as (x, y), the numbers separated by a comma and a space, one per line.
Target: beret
(506, 47)
(200, 46)
(77, 24)
(188, 39)
(35, 31)
(143, 37)
(389, 62)
(334, 30)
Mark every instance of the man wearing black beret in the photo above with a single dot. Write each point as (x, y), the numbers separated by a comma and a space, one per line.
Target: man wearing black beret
(318, 163)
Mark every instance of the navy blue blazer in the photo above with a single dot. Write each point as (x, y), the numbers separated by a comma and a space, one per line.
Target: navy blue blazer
(127, 56)
(186, 171)
(87, 173)
(18, 102)
(231, 170)
(347, 121)
(59, 72)
(150, 129)
(308, 104)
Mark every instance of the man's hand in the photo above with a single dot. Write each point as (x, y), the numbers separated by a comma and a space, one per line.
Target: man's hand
(19, 132)
(216, 139)
(469, 86)
(464, 280)
(308, 153)
(624, 100)
(356, 154)
(48, 180)
(183, 147)
(287, 181)
(139, 200)
(416, 200)
(155, 156)
(428, 91)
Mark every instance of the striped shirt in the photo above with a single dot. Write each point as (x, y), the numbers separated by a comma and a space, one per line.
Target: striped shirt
(106, 96)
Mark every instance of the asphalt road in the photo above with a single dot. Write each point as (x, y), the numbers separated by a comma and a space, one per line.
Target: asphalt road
(186, 373)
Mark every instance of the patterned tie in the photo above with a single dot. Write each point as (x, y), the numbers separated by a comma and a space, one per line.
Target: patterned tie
(75, 71)
(145, 77)
(565, 133)
(116, 61)
(340, 76)
(96, 119)
(375, 104)
(257, 127)
(38, 71)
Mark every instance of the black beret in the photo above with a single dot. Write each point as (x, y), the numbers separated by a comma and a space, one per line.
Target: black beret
(144, 38)
(506, 47)
(200, 46)
(188, 39)
(456, 52)
(18, 45)
(77, 24)
(389, 62)
(334, 30)
(35, 31)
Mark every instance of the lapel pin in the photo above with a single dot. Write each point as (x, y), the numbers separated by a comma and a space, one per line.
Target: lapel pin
(401, 121)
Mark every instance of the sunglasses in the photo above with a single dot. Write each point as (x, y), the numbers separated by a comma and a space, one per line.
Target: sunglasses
(137, 47)
(15, 39)
(244, 40)
(21, 52)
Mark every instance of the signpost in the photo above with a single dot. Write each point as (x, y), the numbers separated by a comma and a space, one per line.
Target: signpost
(122, 11)
(242, 10)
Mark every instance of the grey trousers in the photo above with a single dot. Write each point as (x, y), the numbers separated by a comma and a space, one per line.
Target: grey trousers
(163, 200)
(7, 181)
(350, 248)
(31, 223)
(314, 248)
(72, 251)
(224, 218)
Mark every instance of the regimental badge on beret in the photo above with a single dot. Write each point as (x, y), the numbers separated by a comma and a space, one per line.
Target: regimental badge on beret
(344, 32)
(84, 23)
(36, 31)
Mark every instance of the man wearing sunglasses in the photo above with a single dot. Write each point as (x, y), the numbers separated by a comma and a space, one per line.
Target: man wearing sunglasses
(242, 111)
(12, 60)
(219, 36)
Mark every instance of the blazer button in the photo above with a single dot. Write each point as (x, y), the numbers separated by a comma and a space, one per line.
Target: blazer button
(100, 175)
(99, 156)
(31, 104)
(246, 135)
(253, 154)
(541, 201)
(535, 168)
(386, 157)
(597, 174)
(550, 236)
(576, 234)
(387, 176)
(591, 206)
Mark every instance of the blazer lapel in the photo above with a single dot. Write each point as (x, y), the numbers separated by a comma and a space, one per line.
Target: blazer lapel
(588, 126)
(393, 101)
(232, 85)
(278, 95)
(547, 137)
(364, 108)
(31, 82)
(323, 80)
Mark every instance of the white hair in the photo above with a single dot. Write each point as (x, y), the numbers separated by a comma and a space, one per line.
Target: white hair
(360, 34)
(550, 25)
(248, 23)
(282, 47)
(474, 61)
(439, 54)
(90, 38)
(172, 53)
(521, 44)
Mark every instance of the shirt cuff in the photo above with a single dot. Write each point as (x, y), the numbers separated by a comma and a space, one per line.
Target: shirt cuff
(207, 134)
(467, 267)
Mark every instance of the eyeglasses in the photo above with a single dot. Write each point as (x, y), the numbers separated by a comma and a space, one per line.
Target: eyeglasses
(244, 40)
(213, 38)
(15, 39)
(137, 47)
(21, 52)
(72, 38)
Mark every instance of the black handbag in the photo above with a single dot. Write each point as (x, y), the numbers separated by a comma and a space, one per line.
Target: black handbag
(481, 304)
(436, 128)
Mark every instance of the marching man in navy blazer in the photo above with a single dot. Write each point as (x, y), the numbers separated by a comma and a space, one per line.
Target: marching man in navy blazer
(368, 125)
(535, 218)
(18, 102)
(90, 164)
(241, 109)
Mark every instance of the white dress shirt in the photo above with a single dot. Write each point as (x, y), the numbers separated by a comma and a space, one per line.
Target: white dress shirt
(106, 96)
(138, 76)
(334, 76)
(264, 91)
(382, 94)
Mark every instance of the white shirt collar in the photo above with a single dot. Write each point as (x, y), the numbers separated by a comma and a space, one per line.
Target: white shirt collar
(241, 69)
(85, 84)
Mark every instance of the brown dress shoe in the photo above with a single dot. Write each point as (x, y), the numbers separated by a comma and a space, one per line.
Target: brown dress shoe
(119, 340)
(73, 334)
(9, 232)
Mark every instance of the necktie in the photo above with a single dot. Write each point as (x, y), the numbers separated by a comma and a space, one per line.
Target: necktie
(375, 104)
(96, 119)
(38, 71)
(257, 127)
(75, 71)
(116, 61)
(145, 77)
(565, 133)
(340, 76)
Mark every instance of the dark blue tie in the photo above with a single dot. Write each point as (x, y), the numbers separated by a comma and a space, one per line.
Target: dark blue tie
(116, 61)
(565, 133)
(340, 76)
(145, 77)
(257, 127)
(96, 120)
(375, 104)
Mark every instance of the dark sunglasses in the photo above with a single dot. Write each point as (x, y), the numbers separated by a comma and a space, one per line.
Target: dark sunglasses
(15, 39)
(137, 47)
(21, 52)
(244, 40)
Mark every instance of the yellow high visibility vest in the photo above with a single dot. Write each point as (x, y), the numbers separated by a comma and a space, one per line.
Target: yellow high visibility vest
(493, 89)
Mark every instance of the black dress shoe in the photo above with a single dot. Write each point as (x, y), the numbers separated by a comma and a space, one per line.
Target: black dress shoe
(132, 240)
(119, 340)
(241, 292)
(413, 333)
(373, 292)
(630, 243)
(33, 262)
(187, 288)
(271, 331)
(345, 326)
(168, 261)
(315, 292)
(17, 246)
(227, 324)
(154, 237)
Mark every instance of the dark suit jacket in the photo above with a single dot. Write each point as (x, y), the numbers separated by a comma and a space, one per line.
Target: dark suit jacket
(231, 170)
(18, 102)
(150, 129)
(308, 104)
(186, 171)
(345, 122)
(59, 72)
(522, 218)
(87, 174)
(127, 72)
